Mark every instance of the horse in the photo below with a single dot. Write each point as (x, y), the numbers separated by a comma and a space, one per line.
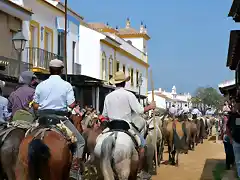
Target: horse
(11, 135)
(176, 140)
(116, 152)
(209, 122)
(45, 153)
(151, 142)
(200, 130)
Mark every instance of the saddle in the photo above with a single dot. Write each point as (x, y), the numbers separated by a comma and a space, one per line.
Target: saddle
(122, 126)
(52, 122)
(7, 127)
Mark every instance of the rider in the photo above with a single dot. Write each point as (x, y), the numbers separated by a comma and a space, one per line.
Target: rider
(55, 96)
(119, 107)
(173, 111)
(4, 114)
(20, 98)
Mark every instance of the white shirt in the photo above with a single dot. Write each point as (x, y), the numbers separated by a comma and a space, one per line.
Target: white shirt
(120, 105)
(196, 111)
(185, 109)
(54, 93)
(173, 111)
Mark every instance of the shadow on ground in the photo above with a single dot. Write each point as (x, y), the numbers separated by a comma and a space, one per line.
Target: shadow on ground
(214, 169)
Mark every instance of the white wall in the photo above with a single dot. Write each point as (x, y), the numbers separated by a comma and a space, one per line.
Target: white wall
(73, 35)
(89, 52)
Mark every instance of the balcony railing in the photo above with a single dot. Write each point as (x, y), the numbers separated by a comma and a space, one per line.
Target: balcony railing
(10, 67)
(39, 57)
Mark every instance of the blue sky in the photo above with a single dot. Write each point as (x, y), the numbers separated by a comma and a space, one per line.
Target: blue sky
(189, 39)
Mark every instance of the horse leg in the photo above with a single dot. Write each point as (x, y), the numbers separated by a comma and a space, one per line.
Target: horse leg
(169, 152)
(193, 142)
(177, 155)
(123, 169)
(173, 156)
(149, 157)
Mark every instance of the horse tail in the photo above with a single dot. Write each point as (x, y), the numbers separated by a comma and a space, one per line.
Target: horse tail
(38, 156)
(106, 157)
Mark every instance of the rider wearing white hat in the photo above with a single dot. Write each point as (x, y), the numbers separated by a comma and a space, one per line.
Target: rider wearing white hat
(119, 107)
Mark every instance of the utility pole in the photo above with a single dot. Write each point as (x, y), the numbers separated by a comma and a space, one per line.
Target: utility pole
(65, 38)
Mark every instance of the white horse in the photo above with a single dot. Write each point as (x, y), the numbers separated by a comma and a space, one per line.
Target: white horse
(117, 152)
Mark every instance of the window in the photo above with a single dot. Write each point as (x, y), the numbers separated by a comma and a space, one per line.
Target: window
(137, 78)
(124, 68)
(48, 39)
(131, 74)
(117, 66)
(61, 44)
(34, 41)
(103, 68)
(110, 65)
(73, 56)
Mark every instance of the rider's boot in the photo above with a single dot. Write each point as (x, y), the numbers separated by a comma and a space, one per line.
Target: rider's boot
(76, 169)
(143, 174)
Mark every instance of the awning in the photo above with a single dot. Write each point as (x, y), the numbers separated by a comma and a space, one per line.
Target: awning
(75, 80)
(15, 10)
(233, 50)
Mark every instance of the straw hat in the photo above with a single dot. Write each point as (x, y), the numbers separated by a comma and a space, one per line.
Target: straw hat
(119, 78)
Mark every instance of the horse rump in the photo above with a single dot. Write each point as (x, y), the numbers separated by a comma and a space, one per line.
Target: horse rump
(38, 157)
(106, 157)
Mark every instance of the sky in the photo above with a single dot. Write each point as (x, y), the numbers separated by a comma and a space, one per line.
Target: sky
(189, 39)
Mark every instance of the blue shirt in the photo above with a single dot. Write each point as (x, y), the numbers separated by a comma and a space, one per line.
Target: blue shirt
(4, 114)
(54, 93)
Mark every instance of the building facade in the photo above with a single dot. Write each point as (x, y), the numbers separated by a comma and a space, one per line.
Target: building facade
(12, 17)
(172, 97)
(105, 51)
(45, 34)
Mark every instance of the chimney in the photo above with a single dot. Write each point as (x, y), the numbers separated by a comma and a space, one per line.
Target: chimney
(128, 23)
(141, 28)
(145, 29)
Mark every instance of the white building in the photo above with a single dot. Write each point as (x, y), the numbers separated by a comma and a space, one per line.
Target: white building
(105, 50)
(45, 32)
(173, 97)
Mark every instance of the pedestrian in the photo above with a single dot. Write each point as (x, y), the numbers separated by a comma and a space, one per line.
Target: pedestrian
(232, 131)
(227, 143)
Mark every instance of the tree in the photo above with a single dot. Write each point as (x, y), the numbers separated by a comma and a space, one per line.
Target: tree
(209, 96)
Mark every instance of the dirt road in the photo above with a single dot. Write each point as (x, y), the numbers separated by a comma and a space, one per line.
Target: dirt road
(196, 165)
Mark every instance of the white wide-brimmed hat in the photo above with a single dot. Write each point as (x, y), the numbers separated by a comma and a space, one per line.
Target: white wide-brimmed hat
(119, 77)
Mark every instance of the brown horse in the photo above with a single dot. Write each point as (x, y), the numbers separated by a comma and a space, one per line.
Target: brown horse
(176, 140)
(45, 154)
(11, 137)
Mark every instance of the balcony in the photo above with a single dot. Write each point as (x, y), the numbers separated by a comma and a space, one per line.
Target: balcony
(40, 58)
(10, 67)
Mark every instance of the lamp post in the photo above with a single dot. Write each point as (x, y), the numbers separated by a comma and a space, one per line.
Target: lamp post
(140, 81)
(19, 42)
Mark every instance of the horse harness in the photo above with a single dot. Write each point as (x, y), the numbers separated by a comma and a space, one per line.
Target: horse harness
(113, 127)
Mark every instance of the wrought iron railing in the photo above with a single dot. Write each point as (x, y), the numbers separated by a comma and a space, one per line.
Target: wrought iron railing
(39, 57)
(13, 67)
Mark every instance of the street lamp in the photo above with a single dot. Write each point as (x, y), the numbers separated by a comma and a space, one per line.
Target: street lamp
(19, 42)
(140, 81)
